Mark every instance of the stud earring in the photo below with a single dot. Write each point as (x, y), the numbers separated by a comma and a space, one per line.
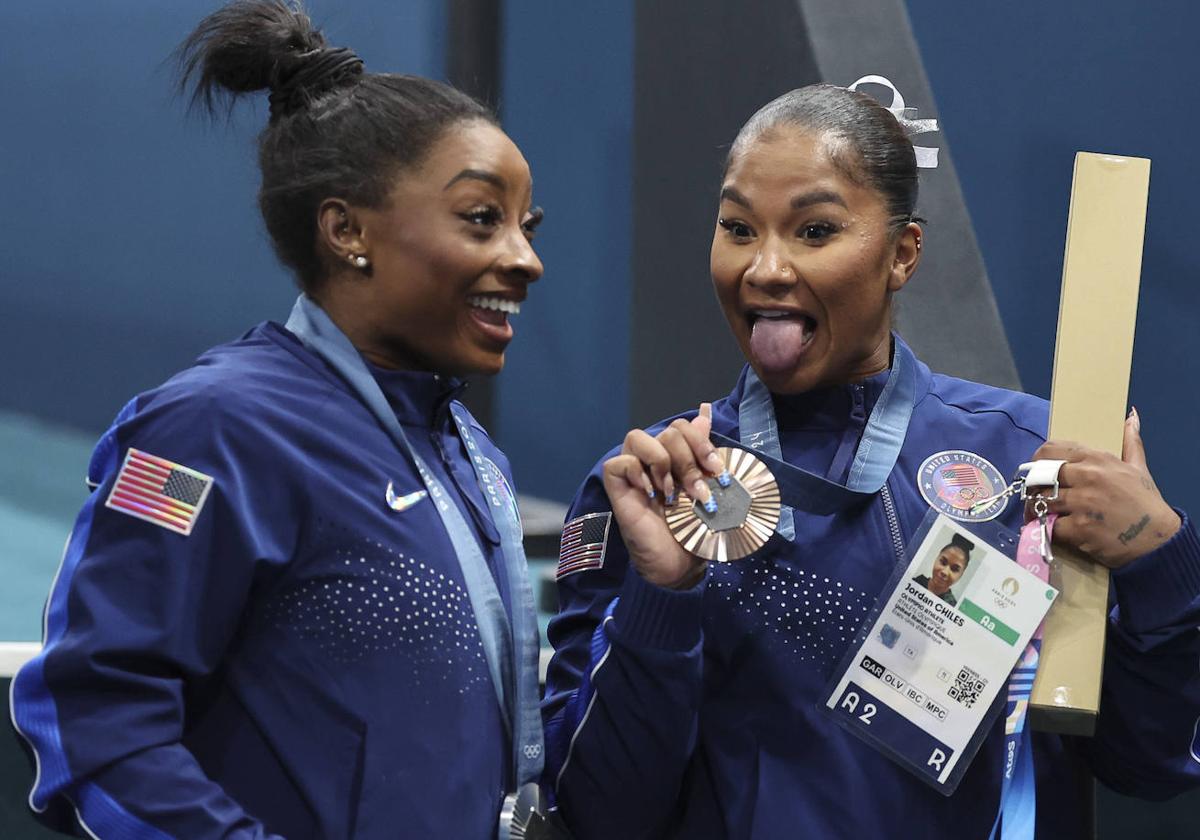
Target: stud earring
(359, 261)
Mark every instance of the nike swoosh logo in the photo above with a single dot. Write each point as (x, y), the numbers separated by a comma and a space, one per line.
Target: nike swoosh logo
(403, 503)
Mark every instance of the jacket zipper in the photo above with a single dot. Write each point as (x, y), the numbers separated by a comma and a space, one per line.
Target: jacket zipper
(858, 407)
(893, 521)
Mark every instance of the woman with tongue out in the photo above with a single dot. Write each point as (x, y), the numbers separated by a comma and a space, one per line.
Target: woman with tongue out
(683, 698)
(295, 604)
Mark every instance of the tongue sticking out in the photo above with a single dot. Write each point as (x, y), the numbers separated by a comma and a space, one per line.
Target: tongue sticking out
(778, 343)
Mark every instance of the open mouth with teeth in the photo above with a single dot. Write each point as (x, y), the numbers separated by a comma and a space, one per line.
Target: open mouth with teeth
(490, 313)
(779, 338)
(497, 304)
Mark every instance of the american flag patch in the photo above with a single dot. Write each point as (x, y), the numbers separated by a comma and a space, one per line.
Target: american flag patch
(584, 540)
(962, 475)
(159, 491)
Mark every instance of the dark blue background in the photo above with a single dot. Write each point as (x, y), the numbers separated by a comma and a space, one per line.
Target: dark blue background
(1021, 87)
(131, 240)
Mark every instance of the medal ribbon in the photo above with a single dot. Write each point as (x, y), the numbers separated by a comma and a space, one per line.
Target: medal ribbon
(511, 649)
(1018, 795)
(873, 461)
(526, 707)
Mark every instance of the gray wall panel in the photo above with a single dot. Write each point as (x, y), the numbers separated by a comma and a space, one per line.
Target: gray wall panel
(701, 68)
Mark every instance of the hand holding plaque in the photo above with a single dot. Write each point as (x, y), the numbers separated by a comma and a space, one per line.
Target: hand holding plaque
(1109, 508)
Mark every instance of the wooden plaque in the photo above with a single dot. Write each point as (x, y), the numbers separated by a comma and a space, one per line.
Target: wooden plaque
(1088, 402)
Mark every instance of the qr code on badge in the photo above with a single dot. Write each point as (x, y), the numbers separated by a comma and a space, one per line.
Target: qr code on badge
(967, 687)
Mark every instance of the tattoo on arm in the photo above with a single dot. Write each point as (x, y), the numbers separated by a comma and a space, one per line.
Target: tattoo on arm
(1130, 534)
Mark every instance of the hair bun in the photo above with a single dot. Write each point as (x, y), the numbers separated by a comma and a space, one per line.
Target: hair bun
(252, 45)
(297, 78)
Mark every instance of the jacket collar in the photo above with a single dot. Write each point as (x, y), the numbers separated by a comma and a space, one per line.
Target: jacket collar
(417, 397)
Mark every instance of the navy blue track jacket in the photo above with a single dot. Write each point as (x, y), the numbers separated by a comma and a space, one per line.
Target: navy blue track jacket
(305, 663)
(695, 714)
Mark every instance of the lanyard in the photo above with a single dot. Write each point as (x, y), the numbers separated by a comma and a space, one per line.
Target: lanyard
(873, 462)
(1016, 818)
(510, 648)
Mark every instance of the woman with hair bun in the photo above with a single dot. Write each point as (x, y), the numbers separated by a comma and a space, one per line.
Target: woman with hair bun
(295, 604)
(685, 697)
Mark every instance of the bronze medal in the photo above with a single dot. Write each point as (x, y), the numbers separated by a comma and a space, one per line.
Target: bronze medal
(747, 511)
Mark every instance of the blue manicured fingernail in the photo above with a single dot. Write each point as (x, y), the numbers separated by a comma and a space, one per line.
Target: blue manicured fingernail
(651, 494)
(670, 500)
(711, 505)
(725, 479)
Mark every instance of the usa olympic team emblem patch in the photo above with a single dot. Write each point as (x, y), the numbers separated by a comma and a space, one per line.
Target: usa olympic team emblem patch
(953, 481)
(507, 498)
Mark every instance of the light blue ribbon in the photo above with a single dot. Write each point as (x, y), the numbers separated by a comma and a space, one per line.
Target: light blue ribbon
(1018, 810)
(511, 650)
(873, 461)
(526, 708)
(1016, 818)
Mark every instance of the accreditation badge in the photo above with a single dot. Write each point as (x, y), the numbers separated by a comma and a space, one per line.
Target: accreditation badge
(920, 679)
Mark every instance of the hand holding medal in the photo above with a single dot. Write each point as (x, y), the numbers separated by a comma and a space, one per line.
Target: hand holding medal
(747, 512)
(680, 502)
(653, 473)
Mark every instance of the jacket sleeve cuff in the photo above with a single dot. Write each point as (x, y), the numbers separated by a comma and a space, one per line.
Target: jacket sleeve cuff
(651, 616)
(1156, 589)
